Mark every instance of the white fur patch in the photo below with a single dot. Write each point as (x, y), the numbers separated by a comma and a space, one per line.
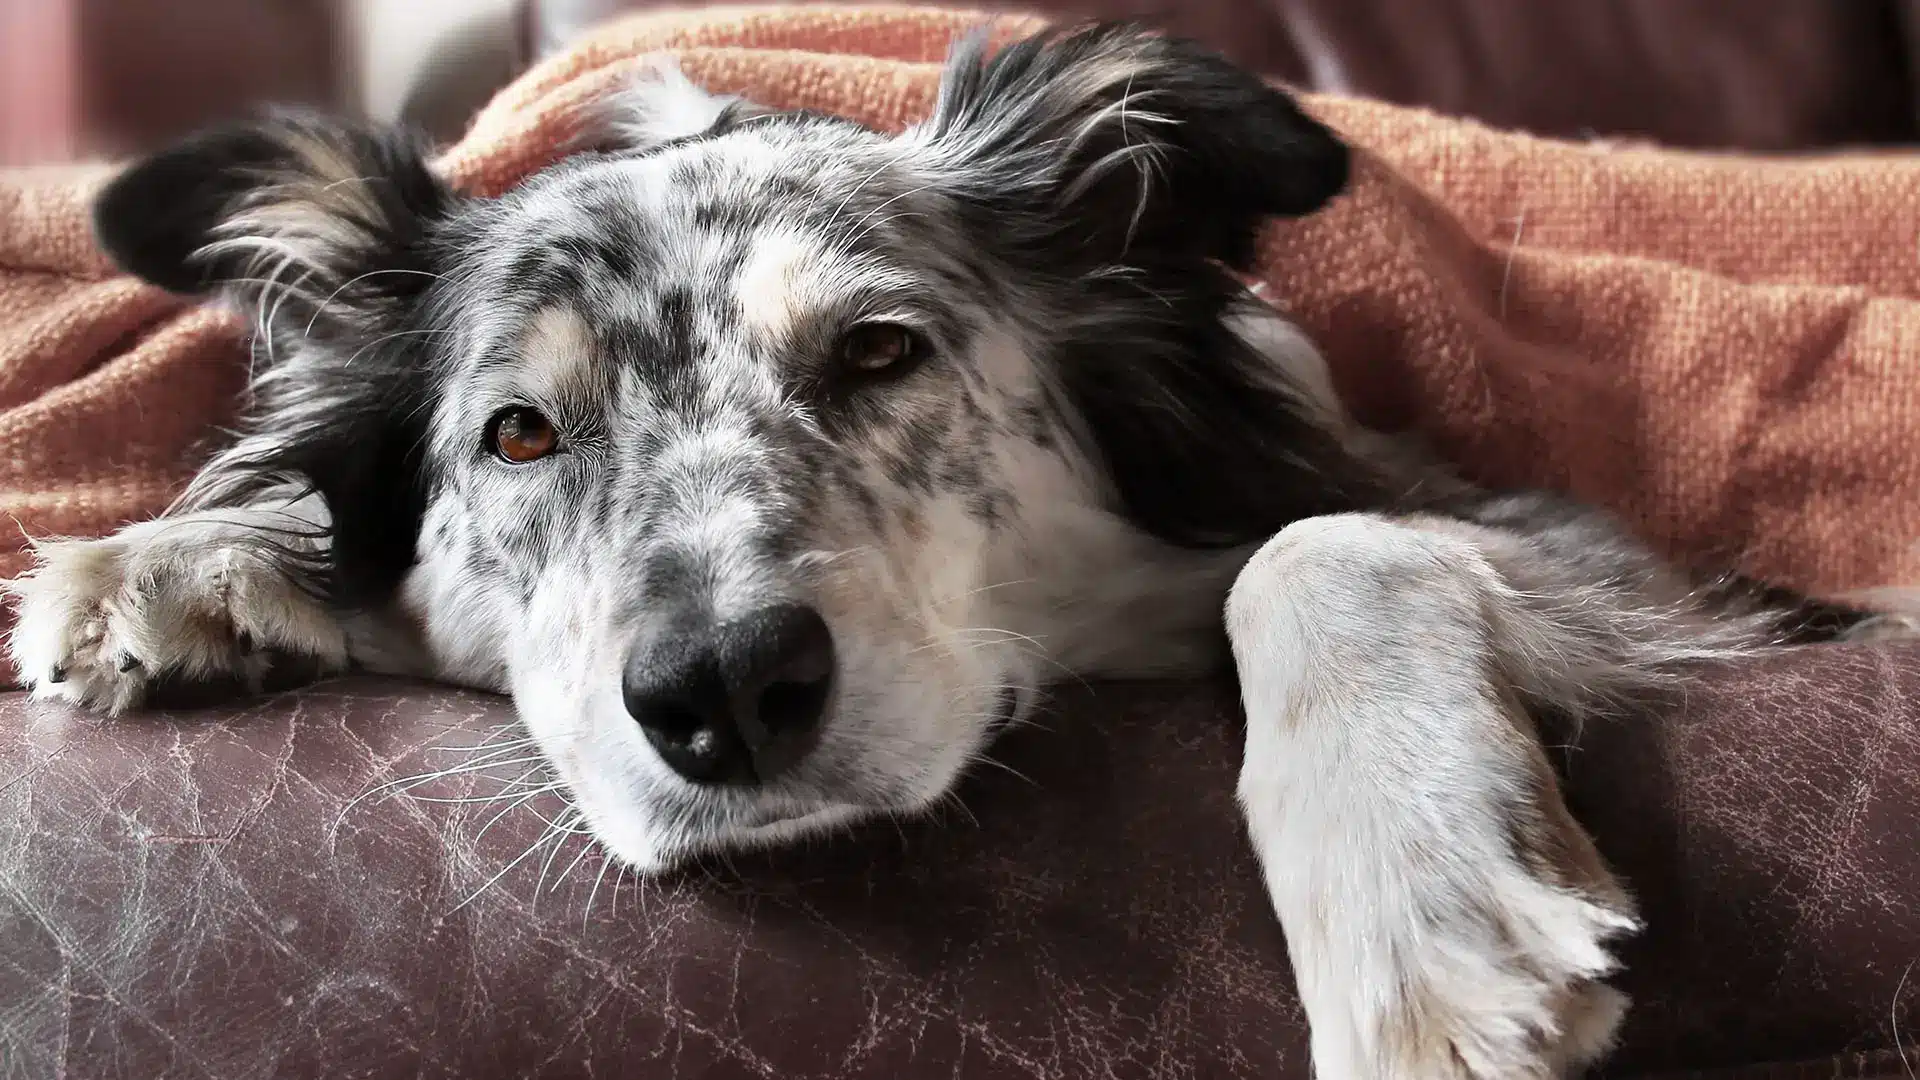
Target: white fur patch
(771, 287)
(1295, 359)
(661, 103)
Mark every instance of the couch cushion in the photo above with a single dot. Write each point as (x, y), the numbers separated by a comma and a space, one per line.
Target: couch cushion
(199, 895)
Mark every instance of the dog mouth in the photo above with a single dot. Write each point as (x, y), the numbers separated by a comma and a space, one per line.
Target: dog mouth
(772, 823)
(770, 819)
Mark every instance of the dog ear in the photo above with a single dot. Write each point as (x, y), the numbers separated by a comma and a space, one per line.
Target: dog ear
(1109, 144)
(1122, 173)
(324, 232)
(323, 213)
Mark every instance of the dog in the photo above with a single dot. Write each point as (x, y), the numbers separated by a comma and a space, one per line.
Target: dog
(772, 464)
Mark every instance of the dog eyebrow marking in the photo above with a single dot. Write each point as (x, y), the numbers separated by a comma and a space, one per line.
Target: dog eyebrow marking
(772, 285)
(556, 354)
(794, 283)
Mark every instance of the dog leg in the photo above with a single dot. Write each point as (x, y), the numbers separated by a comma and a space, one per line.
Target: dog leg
(197, 596)
(1445, 915)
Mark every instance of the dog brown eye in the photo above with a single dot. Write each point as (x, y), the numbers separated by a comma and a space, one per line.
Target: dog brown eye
(876, 347)
(521, 434)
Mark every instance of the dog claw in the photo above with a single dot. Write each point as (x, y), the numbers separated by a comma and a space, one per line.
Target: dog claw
(244, 643)
(128, 662)
(58, 674)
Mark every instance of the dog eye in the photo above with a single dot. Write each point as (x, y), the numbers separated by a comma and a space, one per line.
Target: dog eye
(877, 347)
(521, 434)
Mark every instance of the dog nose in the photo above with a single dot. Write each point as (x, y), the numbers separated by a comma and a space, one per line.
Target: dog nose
(737, 702)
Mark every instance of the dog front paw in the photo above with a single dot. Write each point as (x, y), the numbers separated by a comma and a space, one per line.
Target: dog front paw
(1500, 986)
(99, 622)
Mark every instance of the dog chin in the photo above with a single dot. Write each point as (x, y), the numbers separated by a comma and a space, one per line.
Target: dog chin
(783, 830)
(650, 850)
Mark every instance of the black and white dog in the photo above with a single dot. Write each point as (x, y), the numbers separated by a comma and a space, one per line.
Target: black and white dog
(771, 463)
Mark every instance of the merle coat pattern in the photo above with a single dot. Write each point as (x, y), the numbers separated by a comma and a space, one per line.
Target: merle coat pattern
(771, 463)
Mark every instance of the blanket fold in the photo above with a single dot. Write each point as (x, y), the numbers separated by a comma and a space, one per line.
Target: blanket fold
(1721, 350)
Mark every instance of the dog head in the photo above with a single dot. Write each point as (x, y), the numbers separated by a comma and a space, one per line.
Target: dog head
(770, 461)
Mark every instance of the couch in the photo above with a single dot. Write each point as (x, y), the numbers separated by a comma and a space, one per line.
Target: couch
(227, 893)
(239, 889)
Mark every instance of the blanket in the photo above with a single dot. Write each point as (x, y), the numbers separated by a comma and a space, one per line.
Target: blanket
(1723, 351)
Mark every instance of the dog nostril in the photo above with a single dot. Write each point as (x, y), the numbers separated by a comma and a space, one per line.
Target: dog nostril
(675, 719)
(689, 725)
(792, 667)
(786, 705)
(674, 691)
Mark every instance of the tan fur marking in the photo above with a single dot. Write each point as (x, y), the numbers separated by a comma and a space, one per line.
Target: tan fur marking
(554, 354)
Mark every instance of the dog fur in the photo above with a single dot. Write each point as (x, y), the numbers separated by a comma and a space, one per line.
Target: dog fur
(1098, 438)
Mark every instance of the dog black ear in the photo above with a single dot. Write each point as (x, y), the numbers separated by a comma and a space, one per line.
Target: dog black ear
(1121, 173)
(325, 232)
(304, 203)
(1110, 144)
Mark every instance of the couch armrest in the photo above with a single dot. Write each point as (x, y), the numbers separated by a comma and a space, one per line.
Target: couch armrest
(183, 895)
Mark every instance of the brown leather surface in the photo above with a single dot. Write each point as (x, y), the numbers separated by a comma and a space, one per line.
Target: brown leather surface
(182, 896)
(1774, 75)
(1771, 829)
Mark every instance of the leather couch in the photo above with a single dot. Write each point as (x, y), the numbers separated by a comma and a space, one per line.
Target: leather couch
(228, 891)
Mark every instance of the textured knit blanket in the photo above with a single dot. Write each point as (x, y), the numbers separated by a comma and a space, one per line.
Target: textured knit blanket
(1724, 351)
